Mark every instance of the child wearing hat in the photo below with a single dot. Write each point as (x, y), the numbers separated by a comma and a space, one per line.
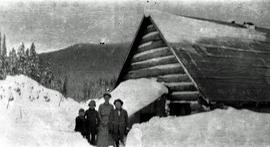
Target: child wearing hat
(92, 122)
(118, 122)
(80, 123)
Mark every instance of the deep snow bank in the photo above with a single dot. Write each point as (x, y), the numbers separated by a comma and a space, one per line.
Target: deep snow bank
(137, 94)
(32, 115)
(217, 128)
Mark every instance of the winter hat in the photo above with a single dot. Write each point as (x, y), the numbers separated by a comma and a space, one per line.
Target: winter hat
(118, 100)
(81, 110)
(107, 94)
(92, 102)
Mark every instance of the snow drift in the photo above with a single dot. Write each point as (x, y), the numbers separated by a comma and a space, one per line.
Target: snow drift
(32, 115)
(136, 94)
(225, 128)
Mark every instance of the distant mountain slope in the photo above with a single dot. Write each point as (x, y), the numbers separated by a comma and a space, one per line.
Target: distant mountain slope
(83, 63)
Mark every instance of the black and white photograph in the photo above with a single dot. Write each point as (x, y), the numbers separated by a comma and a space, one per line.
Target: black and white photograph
(135, 73)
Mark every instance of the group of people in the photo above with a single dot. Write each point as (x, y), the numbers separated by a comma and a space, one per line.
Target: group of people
(106, 127)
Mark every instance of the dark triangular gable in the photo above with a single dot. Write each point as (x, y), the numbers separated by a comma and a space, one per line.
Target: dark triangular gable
(133, 46)
(151, 56)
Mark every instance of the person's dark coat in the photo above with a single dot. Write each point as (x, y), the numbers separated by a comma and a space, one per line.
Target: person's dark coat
(80, 125)
(92, 120)
(118, 123)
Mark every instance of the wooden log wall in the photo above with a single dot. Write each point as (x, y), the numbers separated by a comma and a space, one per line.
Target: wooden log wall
(154, 59)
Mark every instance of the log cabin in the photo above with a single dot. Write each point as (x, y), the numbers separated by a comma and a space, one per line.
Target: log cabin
(201, 61)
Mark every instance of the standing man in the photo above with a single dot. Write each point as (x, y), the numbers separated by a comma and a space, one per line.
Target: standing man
(118, 122)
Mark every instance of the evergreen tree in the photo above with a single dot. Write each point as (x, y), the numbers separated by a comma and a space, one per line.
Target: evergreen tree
(34, 64)
(13, 62)
(21, 59)
(27, 54)
(85, 91)
(0, 44)
(27, 63)
(21, 50)
(4, 60)
(4, 48)
(1, 59)
(33, 52)
(64, 89)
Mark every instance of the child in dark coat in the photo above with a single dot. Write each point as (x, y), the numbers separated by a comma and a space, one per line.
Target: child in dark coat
(80, 123)
(118, 122)
(92, 120)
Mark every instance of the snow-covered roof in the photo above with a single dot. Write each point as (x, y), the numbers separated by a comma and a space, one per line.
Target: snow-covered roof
(226, 61)
(177, 29)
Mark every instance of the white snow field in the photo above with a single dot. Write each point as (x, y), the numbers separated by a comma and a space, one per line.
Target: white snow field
(32, 115)
(226, 128)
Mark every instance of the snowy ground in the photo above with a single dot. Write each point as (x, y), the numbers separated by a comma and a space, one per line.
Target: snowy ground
(226, 128)
(32, 115)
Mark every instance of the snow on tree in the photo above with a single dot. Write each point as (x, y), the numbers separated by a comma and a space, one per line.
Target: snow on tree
(27, 62)
(21, 59)
(34, 63)
(12, 62)
(4, 62)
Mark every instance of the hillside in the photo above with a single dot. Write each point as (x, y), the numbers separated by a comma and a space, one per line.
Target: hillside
(85, 63)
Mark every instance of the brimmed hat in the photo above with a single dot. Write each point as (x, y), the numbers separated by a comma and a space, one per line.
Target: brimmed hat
(92, 102)
(118, 100)
(107, 94)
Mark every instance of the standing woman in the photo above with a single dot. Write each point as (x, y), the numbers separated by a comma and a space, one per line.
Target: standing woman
(104, 110)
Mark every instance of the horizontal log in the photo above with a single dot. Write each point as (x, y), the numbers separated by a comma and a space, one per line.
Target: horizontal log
(155, 71)
(150, 45)
(181, 86)
(156, 33)
(150, 28)
(185, 95)
(152, 36)
(174, 78)
(154, 62)
(153, 53)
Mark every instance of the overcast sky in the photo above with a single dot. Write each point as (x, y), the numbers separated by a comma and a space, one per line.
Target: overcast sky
(57, 24)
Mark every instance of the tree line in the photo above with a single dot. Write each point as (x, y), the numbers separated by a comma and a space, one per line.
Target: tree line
(26, 61)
